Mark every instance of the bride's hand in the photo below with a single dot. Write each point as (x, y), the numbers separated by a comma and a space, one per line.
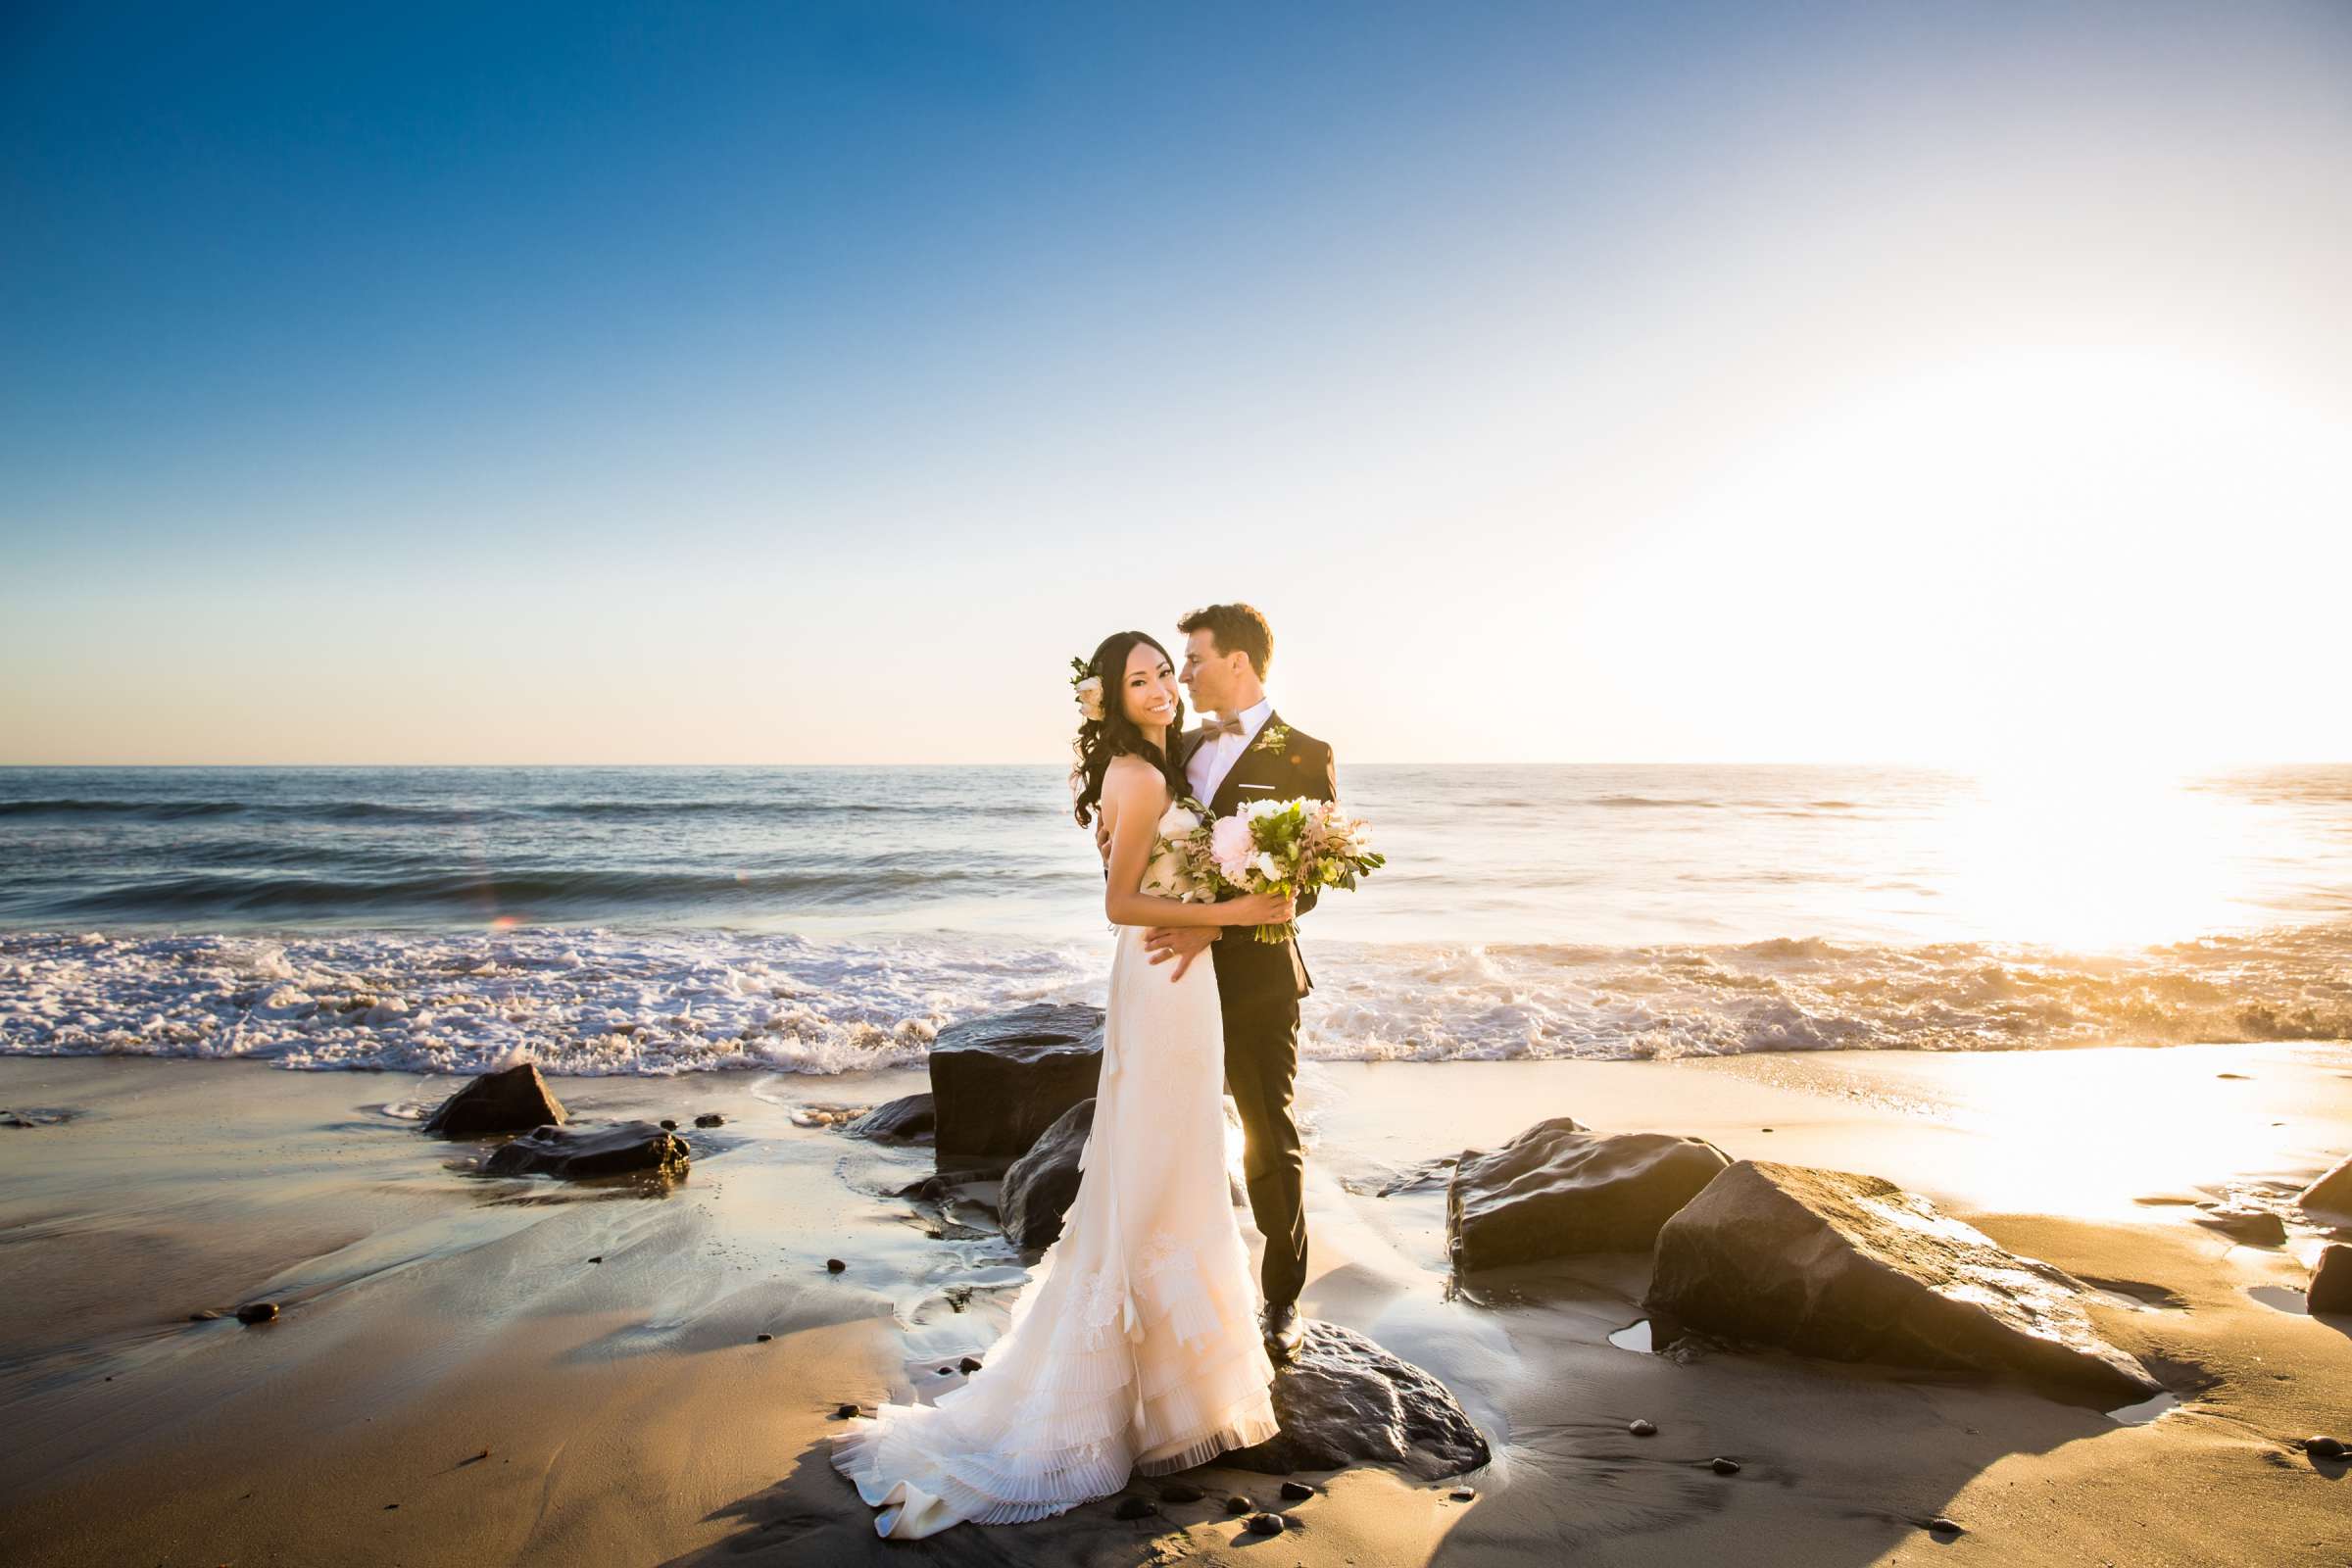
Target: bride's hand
(1259, 909)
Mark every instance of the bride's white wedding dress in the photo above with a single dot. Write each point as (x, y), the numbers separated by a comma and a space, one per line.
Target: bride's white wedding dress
(1135, 1344)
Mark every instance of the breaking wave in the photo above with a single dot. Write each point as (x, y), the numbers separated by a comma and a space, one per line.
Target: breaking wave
(598, 999)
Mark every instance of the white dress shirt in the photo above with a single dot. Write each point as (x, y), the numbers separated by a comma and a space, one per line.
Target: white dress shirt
(1211, 763)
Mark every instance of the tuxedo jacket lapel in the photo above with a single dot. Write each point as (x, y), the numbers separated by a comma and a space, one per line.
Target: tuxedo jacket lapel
(1253, 766)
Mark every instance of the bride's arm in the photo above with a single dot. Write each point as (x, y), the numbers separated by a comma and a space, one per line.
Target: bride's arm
(1131, 793)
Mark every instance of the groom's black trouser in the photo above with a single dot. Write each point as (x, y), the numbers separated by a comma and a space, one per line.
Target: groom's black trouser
(1257, 989)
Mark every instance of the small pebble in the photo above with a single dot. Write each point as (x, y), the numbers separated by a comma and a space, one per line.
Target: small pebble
(2324, 1448)
(389, 1506)
(764, 1338)
(1239, 1504)
(1763, 1129)
(1463, 1494)
(205, 1317)
(598, 1258)
(256, 1312)
(1942, 1526)
(669, 1124)
(969, 1365)
(1642, 1428)
(834, 1265)
(947, 1371)
(1265, 1524)
(1297, 1490)
(477, 1459)
(1724, 1467)
(842, 1413)
(1134, 1507)
(709, 1119)
(1181, 1491)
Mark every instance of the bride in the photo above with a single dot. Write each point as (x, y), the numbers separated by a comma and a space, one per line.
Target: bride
(1135, 1345)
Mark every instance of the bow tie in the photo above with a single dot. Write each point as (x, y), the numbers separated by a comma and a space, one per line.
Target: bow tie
(1212, 728)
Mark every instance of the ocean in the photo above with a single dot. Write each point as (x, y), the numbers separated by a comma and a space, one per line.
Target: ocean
(822, 920)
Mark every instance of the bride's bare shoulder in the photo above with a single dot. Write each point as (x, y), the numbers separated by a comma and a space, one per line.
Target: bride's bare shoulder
(1129, 781)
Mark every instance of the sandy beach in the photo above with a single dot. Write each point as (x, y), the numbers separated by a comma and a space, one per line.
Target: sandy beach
(471, 1370)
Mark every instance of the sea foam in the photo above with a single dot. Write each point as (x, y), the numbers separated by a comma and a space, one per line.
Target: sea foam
(605, 1000)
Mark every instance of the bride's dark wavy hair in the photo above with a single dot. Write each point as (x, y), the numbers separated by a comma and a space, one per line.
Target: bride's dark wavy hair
(1114, 734)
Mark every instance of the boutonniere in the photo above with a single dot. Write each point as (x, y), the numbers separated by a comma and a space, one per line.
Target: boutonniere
(1273, 738)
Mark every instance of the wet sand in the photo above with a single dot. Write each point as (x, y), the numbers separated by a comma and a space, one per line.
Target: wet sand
(453, 1381)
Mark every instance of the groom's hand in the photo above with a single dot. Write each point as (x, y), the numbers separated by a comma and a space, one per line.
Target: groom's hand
(1183, 942)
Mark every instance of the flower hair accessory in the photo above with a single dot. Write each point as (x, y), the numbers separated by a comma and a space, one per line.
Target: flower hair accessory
(1087, 688)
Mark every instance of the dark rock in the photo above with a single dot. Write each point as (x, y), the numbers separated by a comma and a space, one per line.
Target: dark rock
(1342, 1400)
(1642, 1428)
(2324, 1448)
(2331, 1192)
(764, 1338)
(2255, 1227)
(258, 1312)
(709, 1119)
(1042, 1183)
(1181, 1491)
(1265, 1524)
(1853, 1268)
(969, 1365)
(1724, 1467)
(1296, 1491)
(598, 1258)
(2330, 1289)
(903, 1121)
(669, 1124)
(997, 1083)
(834, 1265)
(514, 1101)
(1134, 1507)
(843, 1412)
(30, 1116)
(1559, 1189)
(947, 1371)
(631, 1145)
(1239, 1504)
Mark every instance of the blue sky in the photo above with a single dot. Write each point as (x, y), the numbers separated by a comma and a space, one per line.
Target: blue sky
(575, 384)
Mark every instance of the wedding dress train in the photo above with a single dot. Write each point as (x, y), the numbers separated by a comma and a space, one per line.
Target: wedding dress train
(1135, 1344)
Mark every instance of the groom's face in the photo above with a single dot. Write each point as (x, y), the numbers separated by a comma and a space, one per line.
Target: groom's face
(1208, 674)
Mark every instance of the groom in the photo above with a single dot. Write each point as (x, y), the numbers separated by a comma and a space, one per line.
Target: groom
(1245, 754)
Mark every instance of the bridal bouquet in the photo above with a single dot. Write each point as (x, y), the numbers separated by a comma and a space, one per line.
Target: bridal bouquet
(1277, 847)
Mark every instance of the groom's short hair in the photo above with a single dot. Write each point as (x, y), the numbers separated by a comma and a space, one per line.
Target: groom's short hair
(1234, 629)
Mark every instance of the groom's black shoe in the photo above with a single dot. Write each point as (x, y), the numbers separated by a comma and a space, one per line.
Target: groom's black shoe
(1285, 1330)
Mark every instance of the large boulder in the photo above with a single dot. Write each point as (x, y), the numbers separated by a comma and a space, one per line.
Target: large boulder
(1042, 1183)
(2331, 1288)
(900, 1121)
(1559, 1188)
(1853, 1268)
(1342, 1400)
(511, 1102)
(2331, 1192)
(998, 1082)
(630, 1146)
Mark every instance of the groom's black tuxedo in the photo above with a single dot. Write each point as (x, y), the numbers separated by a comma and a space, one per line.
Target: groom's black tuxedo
(1258, 985)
